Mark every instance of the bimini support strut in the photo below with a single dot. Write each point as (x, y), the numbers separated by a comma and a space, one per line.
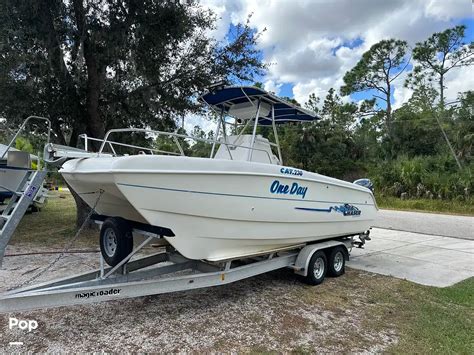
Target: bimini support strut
(254, 133)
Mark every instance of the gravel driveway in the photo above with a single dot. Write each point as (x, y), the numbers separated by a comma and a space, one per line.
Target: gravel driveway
(271, 312)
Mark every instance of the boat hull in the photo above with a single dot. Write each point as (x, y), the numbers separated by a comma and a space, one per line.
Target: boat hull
(221, 209)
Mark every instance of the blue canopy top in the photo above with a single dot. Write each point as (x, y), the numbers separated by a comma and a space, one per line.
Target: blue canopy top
(232, 97)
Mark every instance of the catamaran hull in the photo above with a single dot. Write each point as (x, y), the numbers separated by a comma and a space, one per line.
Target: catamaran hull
(221, 209)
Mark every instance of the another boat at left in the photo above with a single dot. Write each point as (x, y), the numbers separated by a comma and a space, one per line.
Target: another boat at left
(14, 166)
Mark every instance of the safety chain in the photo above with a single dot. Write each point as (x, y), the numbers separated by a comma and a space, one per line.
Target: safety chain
(66, 248)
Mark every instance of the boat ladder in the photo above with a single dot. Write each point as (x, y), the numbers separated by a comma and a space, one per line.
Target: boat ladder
(24, 194)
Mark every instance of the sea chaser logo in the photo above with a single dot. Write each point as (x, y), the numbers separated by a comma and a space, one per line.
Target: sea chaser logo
(295, 189)
(347, 210)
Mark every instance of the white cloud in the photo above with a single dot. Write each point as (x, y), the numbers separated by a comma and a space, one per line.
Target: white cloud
(401, 95)
(192, 120)
(310, 43)
(458, 80)
(272, 86)
(447, 10)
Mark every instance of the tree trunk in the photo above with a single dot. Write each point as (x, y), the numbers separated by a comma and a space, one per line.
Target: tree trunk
(94, 125)
(57, 62)
(388, 118)
(82, 209)
(441, 91)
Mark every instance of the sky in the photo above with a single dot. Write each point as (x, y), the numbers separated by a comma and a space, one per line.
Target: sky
(311, 44)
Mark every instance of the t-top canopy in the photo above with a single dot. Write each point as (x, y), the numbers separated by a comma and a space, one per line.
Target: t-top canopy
(241, 102)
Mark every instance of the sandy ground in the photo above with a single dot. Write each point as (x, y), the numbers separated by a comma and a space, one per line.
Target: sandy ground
(272, 312)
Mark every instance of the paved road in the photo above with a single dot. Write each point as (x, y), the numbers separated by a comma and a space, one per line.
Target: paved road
(427, 223)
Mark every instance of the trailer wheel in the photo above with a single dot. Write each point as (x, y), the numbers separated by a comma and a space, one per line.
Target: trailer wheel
(337, 261)
(116, 240)
(317, 268)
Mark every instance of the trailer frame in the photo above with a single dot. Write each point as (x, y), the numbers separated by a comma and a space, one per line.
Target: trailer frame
(159, 273)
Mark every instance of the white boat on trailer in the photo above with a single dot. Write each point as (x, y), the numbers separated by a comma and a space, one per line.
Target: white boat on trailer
(238, 202)
(238, 214)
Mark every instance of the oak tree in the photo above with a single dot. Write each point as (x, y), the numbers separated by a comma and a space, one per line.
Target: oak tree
(93, 65)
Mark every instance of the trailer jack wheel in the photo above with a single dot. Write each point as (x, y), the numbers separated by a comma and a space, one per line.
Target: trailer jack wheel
(116, 240)
(317, 268)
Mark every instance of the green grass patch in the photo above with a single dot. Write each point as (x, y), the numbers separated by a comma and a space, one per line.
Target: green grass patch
(434, 320)
(426, 205)
(54, 225)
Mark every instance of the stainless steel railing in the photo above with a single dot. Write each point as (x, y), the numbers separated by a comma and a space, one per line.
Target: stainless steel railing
(172, 135)
(22, 127)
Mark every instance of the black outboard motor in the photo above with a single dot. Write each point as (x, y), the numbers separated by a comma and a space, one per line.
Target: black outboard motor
(366, 183)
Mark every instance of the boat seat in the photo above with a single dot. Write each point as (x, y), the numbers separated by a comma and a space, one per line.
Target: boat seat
(262, 150)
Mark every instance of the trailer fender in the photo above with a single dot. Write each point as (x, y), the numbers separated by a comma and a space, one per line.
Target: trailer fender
(303, 258)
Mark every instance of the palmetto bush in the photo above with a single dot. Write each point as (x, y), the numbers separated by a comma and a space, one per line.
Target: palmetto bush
(437, 174)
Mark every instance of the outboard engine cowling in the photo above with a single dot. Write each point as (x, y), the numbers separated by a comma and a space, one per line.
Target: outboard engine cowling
(366, 183)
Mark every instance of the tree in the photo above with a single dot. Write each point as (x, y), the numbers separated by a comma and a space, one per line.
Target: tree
(440, 53)
(316, 146)
(313, 103)
(379, 67)
(424, 95)
(463, 126)
(93, 65)
(416, 130)
(331, 105)
(199, 148)
(341, 115)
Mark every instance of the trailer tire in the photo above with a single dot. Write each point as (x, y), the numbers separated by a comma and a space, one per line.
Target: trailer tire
(317, 268)
(337, 261)
(116, 240)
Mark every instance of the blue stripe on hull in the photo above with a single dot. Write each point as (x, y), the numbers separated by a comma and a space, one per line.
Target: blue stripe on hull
(314, 209)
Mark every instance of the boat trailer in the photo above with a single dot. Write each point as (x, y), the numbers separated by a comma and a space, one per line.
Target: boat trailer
(168, 271)
(163, 272)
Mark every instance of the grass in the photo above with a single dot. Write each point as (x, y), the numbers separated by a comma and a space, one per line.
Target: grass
(424, 319)
(426, 205)
(54, 226)
(434, 320)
